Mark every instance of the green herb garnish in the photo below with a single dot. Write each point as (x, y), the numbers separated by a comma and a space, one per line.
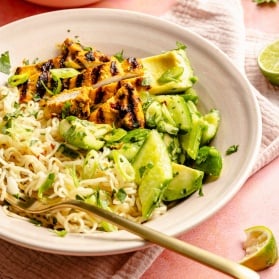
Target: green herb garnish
(180, 45)
(121, 195)
(232, 149)
(172, 74)
(119, 56)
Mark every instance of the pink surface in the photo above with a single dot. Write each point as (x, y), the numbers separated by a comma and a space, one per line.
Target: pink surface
(256, 203)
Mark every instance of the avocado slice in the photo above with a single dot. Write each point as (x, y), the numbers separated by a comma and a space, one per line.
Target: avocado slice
(153, 170)
(169, 72)
(186, 181)
(209, 160)
(211, 125)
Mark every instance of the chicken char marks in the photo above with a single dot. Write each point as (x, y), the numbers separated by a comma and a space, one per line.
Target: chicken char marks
(95, 69)
(123, 109)
(117, 103)
(104, 91)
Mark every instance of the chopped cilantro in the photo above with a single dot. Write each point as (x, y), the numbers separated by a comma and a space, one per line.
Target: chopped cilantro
(119, 56)
(180, 45)
(144, 168)
(232, 149)
(172, 74)
(5, 64)
(121, 194)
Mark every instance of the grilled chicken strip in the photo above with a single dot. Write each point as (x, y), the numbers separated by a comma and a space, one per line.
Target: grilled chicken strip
(96, 69)
(78, 101)
(73, 102)
(116, 103)
(124, 109)
(105, 73)
(75, 55)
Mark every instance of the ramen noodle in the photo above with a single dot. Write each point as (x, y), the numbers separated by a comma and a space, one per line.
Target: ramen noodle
(30, 150)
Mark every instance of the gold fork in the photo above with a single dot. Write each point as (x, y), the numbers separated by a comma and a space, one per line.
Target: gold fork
(195, 253)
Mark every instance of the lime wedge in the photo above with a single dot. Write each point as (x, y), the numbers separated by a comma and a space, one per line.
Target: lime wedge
(268, 61)
(260, 247)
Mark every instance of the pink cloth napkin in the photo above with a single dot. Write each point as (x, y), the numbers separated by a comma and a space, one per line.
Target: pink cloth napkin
(222, 23)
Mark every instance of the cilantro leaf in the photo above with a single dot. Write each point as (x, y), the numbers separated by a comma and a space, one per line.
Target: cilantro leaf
(232, 149)
(180, 45)
(121, 195)
(119, 56)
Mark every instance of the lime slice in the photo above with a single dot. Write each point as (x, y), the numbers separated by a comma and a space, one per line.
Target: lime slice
(268, 61)
(260, 247)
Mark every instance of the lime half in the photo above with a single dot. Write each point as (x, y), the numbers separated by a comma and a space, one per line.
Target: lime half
(260, 247)
(268, 61)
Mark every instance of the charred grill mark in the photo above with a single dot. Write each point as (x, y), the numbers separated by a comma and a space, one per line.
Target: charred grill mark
(23, 91)
(99, 96)
(95, 74)
(113, 68)
(61, 62)
(118, 85)
(63, 58)
(79, 80)
(66, 84)
(132, 107)
(79, 61)
(43, 77)
(42, 80)
(100, 116)
(133, 62)
(47, 66)
(89, 56)
(127, 107)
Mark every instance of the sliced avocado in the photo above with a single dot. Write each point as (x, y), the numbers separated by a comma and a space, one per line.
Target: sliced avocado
(82, 133)
(185, 182)
(153, 170)
(209, 160)
(178, 110)
(211, 125)
(169, 72)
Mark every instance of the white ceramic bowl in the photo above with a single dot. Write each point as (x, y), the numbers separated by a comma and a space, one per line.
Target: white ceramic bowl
(220, 86)
(63, 4)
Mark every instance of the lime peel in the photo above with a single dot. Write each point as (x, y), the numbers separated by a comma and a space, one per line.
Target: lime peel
(260, 247)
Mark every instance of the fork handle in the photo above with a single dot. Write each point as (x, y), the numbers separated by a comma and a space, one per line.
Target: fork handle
(193, 252)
